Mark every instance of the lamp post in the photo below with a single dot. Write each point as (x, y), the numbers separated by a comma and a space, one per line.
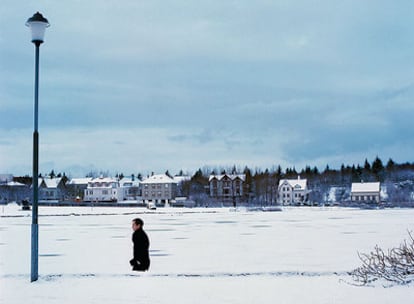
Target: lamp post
(37, 24)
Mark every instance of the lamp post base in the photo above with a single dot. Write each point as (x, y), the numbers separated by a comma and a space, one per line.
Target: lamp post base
(35, 253)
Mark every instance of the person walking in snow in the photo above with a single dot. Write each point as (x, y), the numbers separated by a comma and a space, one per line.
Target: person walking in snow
(141, 260)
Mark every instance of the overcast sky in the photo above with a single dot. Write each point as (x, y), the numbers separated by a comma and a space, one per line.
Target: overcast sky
(139, 86)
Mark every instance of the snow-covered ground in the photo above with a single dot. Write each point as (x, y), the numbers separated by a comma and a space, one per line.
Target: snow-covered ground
(299, 255)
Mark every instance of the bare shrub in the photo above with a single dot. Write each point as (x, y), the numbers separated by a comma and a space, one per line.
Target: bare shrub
(395, 265)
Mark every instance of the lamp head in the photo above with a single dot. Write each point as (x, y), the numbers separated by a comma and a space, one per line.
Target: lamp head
(37, 24)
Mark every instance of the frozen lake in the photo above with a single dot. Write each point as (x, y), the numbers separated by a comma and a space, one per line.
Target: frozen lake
(299, 255)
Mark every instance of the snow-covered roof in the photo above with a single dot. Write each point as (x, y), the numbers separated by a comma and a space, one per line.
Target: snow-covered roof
(128, 182)
(158, 179)
(182, 178)
(50, 182)
(231, 176)
(295, 183)
(103, 180)
(365, 187)
(80, 181)
(15, 184)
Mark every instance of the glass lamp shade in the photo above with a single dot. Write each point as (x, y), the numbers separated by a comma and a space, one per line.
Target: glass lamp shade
(38, 25)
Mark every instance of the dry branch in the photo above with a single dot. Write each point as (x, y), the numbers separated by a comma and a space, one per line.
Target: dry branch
(395, 265)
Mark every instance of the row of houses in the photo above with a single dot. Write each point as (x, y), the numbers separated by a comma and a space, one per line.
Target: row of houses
(230, 187)
(296, 192)
(159, 189)
(162, 189)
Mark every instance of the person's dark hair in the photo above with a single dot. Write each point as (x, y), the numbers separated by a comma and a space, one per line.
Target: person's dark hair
(138, 221)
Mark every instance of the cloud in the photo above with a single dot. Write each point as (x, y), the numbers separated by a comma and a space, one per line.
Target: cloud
(179, 84)
(203, 137)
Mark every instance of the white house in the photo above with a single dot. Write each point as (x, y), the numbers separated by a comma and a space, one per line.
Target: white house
(159, 189)
(366, 192)
(293, 191)
(103, 189)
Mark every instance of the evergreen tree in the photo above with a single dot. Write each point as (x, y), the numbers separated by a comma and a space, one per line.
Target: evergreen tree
(378, 168)
(248, 173)
(367, 166)
(248, 182)
(198, 177)
(356, 173)
(390, 165)
(234, 170)
(279, 171)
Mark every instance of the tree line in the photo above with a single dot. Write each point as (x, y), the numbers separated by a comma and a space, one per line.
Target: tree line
(261, 186)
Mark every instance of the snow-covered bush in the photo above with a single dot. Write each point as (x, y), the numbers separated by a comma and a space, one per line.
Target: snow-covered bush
(395, 265)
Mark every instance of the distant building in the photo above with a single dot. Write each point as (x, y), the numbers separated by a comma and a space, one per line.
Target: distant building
(103, 189)
(129, 186)
(227, 187)
(76, 187)
(13, 191)
(4, 189)
(51, 189)
(293, 191)
(158, 189)
(366, 192)
(5, 178)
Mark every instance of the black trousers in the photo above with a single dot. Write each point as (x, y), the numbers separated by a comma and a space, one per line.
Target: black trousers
(139, 265)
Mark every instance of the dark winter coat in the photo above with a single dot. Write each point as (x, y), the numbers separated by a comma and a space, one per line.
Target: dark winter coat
(141, 260)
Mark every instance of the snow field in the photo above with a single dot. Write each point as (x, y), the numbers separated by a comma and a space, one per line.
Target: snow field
(299, 255)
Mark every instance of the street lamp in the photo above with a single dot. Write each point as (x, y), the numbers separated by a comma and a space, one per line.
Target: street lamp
(37, 25)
